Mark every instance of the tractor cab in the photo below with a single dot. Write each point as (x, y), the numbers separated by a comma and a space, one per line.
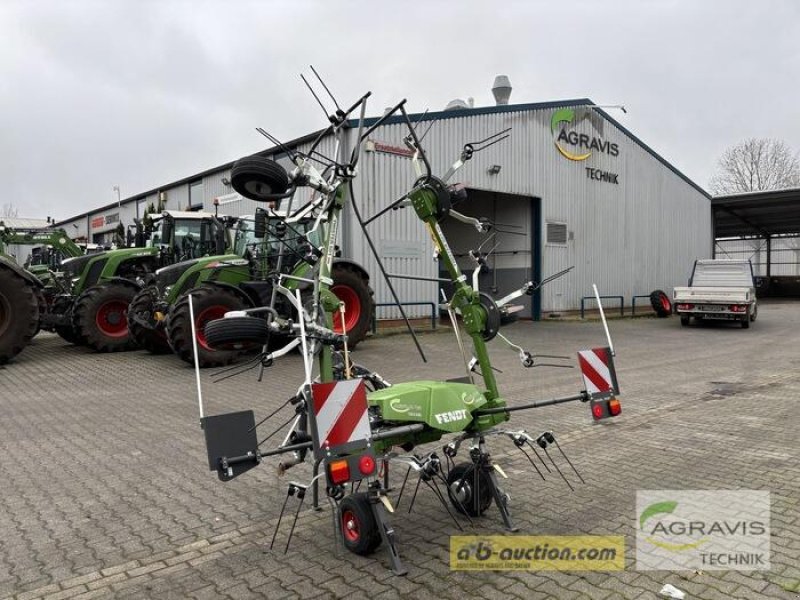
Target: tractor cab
(183, 235)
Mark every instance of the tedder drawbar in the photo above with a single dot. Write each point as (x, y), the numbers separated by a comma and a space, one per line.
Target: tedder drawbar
(349, 419)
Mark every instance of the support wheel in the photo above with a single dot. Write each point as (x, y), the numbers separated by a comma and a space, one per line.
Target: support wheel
(236, 333)
(352, 287)
(661, 304)
(100, 317)
(360, 533)
(258, 178)
(684, 320)
(141, 309)
(461, 490)
(19, 313)
(210, 303)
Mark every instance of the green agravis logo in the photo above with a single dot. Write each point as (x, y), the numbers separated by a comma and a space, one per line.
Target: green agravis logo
(664, 508)
(561, 137)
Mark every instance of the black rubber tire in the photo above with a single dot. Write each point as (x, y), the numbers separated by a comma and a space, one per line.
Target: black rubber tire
(209, 300)
(257, 178)
(661, 304)
(755, 313)
(237, 333)
(746, 323)
(100, 317)
(684, 320)
(41, 302)
(62, 305)
(461, 480)
(152, 340)
(19, 314)
(344, 275)
(360, 533)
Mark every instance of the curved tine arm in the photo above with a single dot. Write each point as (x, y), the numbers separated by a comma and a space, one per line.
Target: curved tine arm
(481, 226)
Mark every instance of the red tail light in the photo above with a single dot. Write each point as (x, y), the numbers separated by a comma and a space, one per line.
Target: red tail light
(366, 464)
(614, 407)
(685, 306)
(737, 308)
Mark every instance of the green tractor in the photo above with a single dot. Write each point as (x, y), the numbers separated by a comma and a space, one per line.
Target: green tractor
(265, 247)
(50, 247)
(19, 307)
(96, 289)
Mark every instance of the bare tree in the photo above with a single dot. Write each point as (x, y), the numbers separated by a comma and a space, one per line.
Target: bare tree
(10, 211)
(756, 164)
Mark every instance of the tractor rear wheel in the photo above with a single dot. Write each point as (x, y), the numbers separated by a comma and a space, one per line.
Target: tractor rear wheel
(209, 303)
(352, 288)
(462, 487)
(142, 307)
(19, 314)
(100, 317)
(360, 533)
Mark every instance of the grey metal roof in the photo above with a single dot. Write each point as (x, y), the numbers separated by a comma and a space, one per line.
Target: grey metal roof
(757, 214)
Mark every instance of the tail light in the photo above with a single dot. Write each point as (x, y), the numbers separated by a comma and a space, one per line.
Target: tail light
(366, 464)
(685, 306)
(738, 308)
(605, 408)
(339, 472)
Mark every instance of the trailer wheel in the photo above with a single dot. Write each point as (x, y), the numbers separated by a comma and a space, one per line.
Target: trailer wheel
(360, 533)
(236, 333)
(461, 484)
(685, 320)
(100, 317)
(210, 303)
(661, 304)
(257, 178)
(352, 288)
(142, 307)
(19, 314)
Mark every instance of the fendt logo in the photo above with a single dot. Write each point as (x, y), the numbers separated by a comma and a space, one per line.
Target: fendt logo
(571, 143)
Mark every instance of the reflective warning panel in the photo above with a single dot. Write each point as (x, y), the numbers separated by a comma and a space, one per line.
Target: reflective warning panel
(341, 418)
(597, 369)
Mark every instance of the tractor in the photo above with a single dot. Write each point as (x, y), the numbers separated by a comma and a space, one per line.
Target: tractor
(96, 289)
(266, 246)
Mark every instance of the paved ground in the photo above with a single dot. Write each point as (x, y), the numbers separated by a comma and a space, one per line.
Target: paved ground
(105, 492)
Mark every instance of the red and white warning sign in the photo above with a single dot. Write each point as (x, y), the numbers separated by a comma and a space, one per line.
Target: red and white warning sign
(597, 369)
(341, 418)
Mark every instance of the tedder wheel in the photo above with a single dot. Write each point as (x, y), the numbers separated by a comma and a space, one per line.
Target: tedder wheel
(461, 489)
(360, 532)
(352, 288)
(210, 303)
(19, 314)
(685, 320)
(142, 307)
(100, 317)
(257, 178)
(661, 304)
(236, 333)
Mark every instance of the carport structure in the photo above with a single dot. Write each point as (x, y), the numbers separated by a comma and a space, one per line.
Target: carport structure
(763, 226)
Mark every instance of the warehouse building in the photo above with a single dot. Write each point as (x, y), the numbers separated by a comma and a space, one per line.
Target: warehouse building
(569, 187)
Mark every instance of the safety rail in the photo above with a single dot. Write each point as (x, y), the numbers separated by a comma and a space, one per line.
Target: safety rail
(620, 298)
(432, 305)
(633, 302)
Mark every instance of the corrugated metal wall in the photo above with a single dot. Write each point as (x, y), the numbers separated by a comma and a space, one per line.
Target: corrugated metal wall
(785, 255)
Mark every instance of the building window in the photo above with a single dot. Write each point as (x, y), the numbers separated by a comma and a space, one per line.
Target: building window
(557, 234)
(195, 195)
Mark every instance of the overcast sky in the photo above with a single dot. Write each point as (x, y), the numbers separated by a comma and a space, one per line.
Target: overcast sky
(137, 94)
